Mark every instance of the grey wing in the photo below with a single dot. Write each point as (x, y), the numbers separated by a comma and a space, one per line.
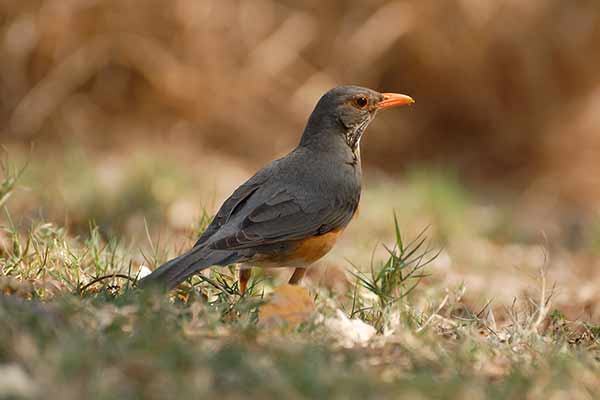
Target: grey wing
(234, 203)
(285, 217)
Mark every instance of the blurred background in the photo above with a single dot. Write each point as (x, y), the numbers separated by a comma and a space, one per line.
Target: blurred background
(146, 110)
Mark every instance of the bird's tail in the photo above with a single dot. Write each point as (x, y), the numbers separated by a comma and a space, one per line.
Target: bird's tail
(173, 272)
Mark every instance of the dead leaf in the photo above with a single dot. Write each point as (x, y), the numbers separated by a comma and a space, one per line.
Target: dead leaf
(288, 306)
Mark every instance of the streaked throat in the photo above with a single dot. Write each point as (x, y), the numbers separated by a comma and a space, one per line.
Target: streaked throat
(354, 134)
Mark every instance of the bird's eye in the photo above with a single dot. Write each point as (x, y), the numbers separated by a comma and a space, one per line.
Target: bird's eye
(361, 101)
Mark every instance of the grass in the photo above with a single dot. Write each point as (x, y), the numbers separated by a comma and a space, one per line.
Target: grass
(10, 177)
(74, 325)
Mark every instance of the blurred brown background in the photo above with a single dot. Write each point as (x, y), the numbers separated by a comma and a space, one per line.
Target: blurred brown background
(153, 110)
(507, 92)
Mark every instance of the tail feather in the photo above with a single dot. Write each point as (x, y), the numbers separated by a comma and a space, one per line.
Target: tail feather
(175, 271)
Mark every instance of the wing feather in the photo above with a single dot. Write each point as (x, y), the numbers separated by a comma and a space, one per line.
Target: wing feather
(281, 218)
(231, 206)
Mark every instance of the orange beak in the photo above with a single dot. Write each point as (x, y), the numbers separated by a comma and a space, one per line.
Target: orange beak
(394, 100)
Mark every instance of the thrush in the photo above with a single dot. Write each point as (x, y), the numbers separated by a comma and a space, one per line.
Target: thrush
(292, 211)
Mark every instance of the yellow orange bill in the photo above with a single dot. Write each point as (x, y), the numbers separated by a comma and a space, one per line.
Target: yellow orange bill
(394, 100)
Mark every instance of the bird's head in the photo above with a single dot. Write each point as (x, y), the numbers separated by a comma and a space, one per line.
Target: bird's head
(347, 111)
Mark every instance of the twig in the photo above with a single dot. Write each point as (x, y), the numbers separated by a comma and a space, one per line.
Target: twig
(96, 280)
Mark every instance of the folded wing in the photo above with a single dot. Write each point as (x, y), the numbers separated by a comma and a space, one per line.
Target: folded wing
(285, 217)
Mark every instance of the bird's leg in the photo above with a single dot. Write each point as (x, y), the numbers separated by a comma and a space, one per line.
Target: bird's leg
(297, 276)
(245, 274)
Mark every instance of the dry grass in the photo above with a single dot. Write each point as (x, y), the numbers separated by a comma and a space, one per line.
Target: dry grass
(469, 324)
(145, 114)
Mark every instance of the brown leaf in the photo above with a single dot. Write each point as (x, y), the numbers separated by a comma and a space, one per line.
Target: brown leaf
(288, 306)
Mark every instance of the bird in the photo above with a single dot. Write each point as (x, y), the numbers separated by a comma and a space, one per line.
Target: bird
(292, 211)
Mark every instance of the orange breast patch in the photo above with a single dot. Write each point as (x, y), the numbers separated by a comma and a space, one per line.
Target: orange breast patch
(311, 249)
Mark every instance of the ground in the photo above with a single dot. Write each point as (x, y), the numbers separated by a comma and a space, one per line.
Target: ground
(434, 292)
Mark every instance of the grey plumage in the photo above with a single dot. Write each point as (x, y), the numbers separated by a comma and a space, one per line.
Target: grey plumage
(313, 190)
